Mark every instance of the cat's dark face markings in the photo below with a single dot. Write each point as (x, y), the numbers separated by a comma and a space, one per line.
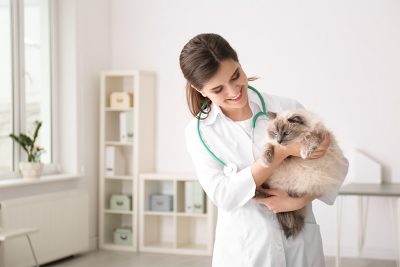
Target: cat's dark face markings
(285, 130)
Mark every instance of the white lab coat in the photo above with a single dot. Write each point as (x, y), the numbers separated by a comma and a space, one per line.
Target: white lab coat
(248, 234)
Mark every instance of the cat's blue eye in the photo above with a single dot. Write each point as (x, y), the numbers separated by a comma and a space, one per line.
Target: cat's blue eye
(285, 133)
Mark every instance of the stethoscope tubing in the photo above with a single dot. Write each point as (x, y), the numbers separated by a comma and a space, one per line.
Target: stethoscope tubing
(230, 167)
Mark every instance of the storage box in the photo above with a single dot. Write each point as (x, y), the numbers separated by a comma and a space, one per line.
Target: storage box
(160, 202)
(120, 202)
(121, 100)
(123, 236)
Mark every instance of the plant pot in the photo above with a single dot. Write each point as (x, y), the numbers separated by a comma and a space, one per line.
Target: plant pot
(31, 170)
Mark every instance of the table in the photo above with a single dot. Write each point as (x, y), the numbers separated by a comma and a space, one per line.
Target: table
(367, 190)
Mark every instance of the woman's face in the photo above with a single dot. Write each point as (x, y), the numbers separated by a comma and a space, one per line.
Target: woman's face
(228, 87)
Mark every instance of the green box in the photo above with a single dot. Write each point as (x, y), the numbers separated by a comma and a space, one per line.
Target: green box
(123, 236)
(120, 202)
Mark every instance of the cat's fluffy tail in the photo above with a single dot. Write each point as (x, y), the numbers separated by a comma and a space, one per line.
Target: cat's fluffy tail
(292, 222)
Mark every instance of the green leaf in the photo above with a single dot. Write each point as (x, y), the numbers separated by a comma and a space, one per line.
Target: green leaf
(35, 135)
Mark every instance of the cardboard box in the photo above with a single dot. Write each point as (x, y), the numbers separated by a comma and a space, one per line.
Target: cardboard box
(121, 100)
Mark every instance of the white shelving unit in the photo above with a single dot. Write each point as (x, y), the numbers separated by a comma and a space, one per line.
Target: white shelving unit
(176, 231)
(133, 157)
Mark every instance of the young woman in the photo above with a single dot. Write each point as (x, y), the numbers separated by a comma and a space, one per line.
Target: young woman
(226, 148)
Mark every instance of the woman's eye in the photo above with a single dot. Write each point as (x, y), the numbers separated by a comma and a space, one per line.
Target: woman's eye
(217, 91)
(236, 77)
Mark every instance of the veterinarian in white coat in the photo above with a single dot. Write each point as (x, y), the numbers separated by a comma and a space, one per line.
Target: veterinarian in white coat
(247, 233)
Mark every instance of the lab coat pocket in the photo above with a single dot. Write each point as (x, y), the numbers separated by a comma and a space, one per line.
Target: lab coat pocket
(313, 245)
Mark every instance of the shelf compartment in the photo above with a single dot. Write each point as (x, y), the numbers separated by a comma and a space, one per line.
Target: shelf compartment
(117, 84)
(191, 233)
(159, 231)
(153, 187)
(196, 196)
(117, 187)
(113, 221)
(118, 161)
(112, 126)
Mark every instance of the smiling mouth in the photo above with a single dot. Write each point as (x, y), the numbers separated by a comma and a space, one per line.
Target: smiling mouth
(237, 97)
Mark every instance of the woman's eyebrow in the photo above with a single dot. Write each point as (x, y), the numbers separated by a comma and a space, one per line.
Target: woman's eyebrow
(234, 73)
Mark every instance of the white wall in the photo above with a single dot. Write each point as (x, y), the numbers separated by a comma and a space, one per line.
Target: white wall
(338, 58)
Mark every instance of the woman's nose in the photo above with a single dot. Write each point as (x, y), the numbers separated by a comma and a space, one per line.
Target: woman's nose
(233, 90)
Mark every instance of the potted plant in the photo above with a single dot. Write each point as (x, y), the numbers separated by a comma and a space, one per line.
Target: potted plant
(33, 168)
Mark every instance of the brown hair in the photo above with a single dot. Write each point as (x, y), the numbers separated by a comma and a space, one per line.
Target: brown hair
(199, 60)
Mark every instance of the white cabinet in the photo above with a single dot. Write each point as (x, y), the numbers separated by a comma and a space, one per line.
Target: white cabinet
(121, 161)
(174, 231)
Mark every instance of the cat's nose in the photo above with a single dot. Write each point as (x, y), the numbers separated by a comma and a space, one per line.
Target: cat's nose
(280, 141)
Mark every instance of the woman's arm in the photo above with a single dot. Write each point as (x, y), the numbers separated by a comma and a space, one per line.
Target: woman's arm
(280, 201)
(261, 172)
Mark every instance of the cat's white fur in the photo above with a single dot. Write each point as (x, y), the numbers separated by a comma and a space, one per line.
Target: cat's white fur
(310, 176)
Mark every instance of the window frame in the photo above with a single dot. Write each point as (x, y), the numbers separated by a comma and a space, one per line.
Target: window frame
(18, 86)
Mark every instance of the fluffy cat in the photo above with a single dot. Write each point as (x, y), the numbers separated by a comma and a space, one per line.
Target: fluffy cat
(296, 175)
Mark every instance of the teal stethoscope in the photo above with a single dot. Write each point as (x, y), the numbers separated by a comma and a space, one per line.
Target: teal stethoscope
(230, 168)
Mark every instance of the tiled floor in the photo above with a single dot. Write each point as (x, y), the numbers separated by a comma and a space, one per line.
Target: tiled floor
(124, 259)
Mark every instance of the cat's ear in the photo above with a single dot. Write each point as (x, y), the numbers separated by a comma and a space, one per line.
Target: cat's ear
(271, 115)
(296, 118)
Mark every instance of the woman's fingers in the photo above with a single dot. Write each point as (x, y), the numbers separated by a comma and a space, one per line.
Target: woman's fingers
(322, 148)
(274, 192)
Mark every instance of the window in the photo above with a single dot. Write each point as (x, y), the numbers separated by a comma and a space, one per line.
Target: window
(25, 78)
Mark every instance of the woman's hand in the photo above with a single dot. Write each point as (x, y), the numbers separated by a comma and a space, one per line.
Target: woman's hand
(295, 148)
(280, 201)
(322, 148)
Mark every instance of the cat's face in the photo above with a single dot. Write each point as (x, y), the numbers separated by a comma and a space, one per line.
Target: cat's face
(286, 128)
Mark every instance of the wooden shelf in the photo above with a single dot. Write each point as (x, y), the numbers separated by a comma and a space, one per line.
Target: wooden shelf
(127, 212)
(117, 143)
(111, 246)
(118, 109)
(186, 214)
(159, 213)
(119, 177)
(177, 231)
(123, 178)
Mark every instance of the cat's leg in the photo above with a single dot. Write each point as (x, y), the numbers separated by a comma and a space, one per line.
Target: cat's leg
(310, 143)
(268, 154)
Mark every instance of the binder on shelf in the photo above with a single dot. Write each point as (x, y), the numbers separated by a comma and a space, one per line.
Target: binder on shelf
(126, 126)
(114, 161)
(194, 198)
(110, 161)
(189, 197)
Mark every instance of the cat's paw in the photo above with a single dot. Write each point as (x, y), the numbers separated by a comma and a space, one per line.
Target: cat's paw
(309, 144)
(268, 154)
(306, 152)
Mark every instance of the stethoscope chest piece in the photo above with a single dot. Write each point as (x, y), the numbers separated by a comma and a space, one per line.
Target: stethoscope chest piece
(230, 169)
